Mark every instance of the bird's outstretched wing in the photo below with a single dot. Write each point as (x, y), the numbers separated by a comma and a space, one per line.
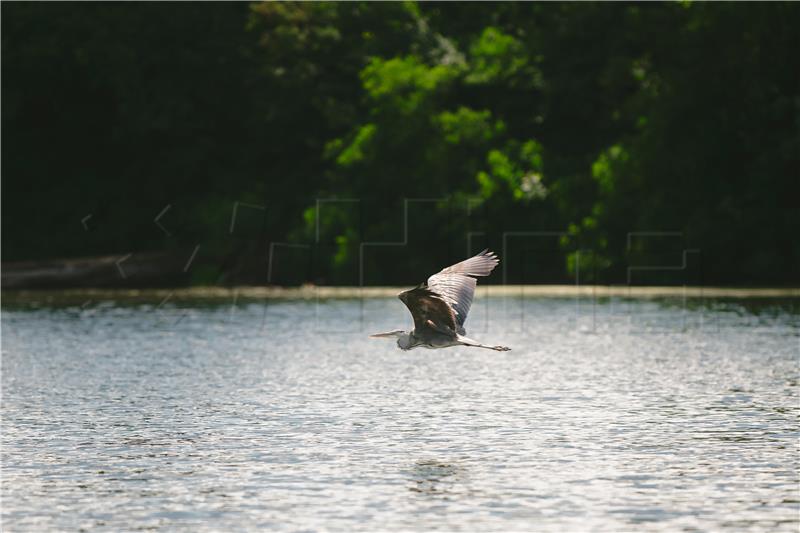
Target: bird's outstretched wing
(456, 284)
(429, 310)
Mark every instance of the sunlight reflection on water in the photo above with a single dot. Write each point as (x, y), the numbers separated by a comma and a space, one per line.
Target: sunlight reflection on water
(620, 415)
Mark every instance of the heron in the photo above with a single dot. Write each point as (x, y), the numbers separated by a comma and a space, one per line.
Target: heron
(440, 306)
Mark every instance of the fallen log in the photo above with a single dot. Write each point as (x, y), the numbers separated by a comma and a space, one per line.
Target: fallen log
(127, 270)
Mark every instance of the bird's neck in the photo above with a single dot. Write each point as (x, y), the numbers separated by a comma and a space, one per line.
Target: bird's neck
(407, 341)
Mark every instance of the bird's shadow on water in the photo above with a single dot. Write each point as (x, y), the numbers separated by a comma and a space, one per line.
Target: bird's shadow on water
(434, 477)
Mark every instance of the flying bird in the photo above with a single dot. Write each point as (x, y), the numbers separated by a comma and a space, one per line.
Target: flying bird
(440, 306)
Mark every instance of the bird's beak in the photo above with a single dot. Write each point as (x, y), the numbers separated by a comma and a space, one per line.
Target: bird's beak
(384, 335)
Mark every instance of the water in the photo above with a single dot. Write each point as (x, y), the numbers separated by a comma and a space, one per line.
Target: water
(612, 416)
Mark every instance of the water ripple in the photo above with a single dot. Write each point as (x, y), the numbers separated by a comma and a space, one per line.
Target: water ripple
(630, 415)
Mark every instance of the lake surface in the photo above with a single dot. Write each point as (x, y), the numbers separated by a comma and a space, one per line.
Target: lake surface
(617, 415)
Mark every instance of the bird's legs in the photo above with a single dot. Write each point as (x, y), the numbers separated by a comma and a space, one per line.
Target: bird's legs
(465, 341)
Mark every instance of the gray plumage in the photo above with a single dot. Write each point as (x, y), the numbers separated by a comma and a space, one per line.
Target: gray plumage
(440, 306)
(456, 284)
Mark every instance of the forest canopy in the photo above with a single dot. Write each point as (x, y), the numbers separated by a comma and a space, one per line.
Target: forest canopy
(349, 143)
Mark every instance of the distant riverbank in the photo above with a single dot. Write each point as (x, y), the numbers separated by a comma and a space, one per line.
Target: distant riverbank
(311, 292)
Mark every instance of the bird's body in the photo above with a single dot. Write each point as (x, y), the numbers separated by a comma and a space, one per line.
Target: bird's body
(440, 306)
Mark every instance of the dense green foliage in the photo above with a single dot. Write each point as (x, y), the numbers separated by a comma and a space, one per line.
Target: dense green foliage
(598, 140)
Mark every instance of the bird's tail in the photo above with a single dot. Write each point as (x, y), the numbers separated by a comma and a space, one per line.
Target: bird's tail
(466, 341)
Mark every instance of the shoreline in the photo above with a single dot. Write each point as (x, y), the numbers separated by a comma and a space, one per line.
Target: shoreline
(310, 292)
